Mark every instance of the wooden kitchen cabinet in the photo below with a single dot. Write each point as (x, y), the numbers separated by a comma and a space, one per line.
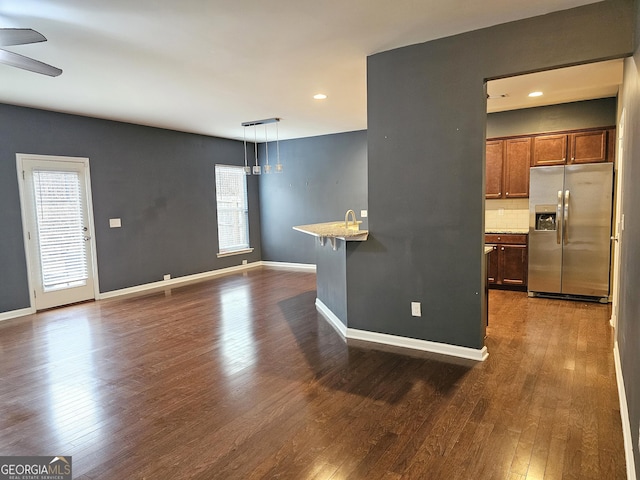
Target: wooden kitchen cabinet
(583, 146)
(494, 166)
(517, 160)
(549, 150)
(588, 147)
(508, 262)
(512, 265)
(492, 266)
(507, 168)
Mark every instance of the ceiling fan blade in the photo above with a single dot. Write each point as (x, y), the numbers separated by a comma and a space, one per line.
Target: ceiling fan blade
(26, 63)
(19, 36)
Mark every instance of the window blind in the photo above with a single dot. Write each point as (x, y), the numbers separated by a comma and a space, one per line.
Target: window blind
(232, 208)
(60, 224)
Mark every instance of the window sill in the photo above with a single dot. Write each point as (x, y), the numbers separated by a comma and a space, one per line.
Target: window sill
(235, 252)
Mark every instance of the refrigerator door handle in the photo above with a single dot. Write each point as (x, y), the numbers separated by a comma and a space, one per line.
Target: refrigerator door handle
(566, 217)
(558, 216)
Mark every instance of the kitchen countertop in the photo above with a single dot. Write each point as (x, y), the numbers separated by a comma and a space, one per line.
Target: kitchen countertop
(336, 229)
(507, 230)
(488, 249)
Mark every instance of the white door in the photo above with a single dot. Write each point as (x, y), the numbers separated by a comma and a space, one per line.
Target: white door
(58, 222)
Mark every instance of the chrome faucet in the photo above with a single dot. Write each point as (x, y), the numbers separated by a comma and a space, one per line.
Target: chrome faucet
(346, 218)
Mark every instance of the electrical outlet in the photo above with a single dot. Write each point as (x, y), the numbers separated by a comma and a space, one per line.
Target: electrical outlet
(167, 276)
(244, 262)
(500, 212)
(416, 310)
(363, 214)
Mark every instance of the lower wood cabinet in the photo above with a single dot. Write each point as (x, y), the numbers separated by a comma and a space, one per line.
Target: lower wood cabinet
(508, 262)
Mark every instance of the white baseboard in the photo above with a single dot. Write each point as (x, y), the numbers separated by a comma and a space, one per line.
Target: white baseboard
(16, 313)
(479, 355)
(302, 267)
(178, 280)
(298, 267)
(624, 416)
(331, 317)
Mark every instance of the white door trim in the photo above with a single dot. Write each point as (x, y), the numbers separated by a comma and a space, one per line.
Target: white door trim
(20, 157)
(618, 227)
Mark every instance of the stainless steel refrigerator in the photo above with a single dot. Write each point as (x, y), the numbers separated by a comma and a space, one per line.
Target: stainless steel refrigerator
(570, 230)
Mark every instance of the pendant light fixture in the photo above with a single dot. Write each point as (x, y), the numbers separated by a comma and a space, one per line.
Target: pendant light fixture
(256, 170)
(256, 167)
(247, 168)
(278, 164)
(267, 167)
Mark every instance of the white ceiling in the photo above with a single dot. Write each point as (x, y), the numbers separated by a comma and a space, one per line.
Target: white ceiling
(207, 66)
(582, 82)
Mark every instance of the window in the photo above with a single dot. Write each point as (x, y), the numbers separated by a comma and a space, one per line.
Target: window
(233, 211)
(61, 229)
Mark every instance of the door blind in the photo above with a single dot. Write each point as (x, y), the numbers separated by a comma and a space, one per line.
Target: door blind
(61, 229)
(233, 212)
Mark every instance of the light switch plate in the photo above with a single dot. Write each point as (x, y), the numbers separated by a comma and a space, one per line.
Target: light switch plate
(416, 311)
(115, 223)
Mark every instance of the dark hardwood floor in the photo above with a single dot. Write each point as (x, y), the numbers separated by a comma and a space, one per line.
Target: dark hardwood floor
(240, 378)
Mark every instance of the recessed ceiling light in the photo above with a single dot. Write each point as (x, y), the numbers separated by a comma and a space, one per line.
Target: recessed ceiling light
(319, 96)
(535, 94)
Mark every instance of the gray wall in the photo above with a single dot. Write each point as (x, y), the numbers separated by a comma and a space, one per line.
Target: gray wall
(565, 116)
(323, 177)
(426, 135)
(331, 277)
(629, 305)
(160, 182)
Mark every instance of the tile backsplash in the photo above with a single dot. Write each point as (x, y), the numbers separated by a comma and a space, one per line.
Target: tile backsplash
(506, 214)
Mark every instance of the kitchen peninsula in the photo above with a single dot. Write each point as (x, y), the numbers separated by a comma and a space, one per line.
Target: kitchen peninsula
(335, 243)
(331, 265)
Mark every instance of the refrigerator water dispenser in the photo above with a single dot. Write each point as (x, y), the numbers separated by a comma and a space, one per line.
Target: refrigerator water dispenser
(546, 217)
(546, 221)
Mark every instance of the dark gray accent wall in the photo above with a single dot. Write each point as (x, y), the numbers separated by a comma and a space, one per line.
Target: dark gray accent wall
(159, 182)
(426, 135)
(553, 118)
(323, 177)
(628, 334)
(331, 277)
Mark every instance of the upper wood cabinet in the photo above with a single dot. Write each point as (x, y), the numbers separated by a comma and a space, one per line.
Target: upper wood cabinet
(585, 146)
(495, 161)
(508, 159)
(507, 168)
(588, 147)
(517, 160)
(549, 150)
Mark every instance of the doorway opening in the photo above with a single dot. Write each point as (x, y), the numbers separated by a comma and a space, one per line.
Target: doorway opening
(578, 108)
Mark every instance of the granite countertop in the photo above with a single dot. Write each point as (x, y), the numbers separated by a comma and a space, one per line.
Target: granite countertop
(507, 230)
(488, 249)
(335, 229)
